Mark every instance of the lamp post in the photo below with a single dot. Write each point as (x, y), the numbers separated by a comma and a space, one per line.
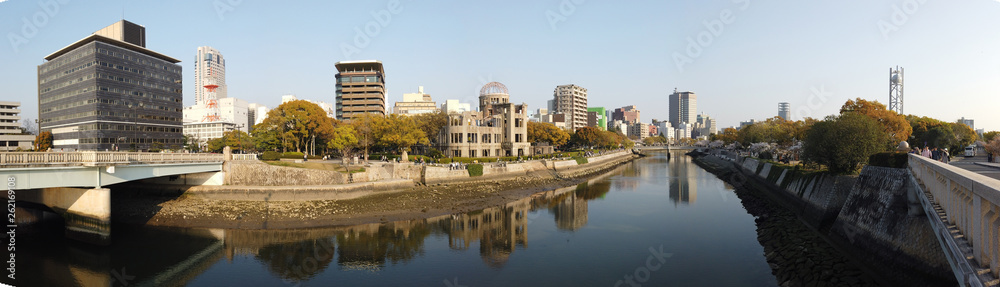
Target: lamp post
(135, 125)
(38, 134)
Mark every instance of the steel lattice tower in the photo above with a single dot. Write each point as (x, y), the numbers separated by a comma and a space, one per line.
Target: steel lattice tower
(896, 90)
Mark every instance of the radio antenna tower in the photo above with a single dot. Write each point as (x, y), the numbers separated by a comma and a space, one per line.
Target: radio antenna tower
(212, 101)
(896, 90)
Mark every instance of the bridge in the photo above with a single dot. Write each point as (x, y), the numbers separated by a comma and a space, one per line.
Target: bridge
(964, 210)
(74, 183)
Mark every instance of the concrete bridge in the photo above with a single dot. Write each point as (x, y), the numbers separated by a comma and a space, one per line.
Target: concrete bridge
(74, 183)
(964, 210)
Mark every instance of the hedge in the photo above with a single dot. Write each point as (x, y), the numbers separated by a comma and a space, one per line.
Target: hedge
(889, 159)
(270, 155)
(475, 170)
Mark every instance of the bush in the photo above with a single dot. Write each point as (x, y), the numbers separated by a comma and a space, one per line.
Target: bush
(270, 155)
(292, 155)
(580, 159)
(889, 159)
(475, 170)
(843, 144)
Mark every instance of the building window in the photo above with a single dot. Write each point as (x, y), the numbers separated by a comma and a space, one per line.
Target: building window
(472, 153)
(486, 153)
(456, 153)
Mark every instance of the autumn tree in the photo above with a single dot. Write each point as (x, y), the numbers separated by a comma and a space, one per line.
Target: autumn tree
(894, 124)
(728, 135)
(586, 137)
(547, 132)
(43, 141)
(989, 136)
(399, 132)
(366, 128)
(993, 146)
(235, 139)
(431, 124)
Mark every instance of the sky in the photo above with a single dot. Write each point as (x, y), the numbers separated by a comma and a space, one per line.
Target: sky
(740, 57)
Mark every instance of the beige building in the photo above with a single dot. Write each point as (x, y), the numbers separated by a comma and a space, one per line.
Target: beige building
(360, 88)
(415, 103)
(570, 100)
(11, 137)
(500, 128)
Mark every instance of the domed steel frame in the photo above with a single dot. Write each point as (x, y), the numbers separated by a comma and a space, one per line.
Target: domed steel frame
(492, 88)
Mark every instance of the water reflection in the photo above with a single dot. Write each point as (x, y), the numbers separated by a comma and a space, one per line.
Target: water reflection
(683, 180)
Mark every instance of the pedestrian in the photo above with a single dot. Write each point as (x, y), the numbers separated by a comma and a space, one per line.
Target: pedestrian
(926, 152)
(945, 156)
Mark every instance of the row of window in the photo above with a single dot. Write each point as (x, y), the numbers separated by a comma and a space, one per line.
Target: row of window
(67, 72)
(110, 102)
(62, 61)
(67, 83)
(129, 141)
(475, 138)
(360, 79)
(66, 94)
(165, 67)
(140, 72)
(110, 114)
(138, 83)
(128, 127)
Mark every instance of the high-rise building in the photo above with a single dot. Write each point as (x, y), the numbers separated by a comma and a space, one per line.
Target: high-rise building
(784, 111)
(969, 122)
(256, 113)
(683, 108)
(11, 136)
(706, 126)
(627, 114)
(571, 100)
(415, 103)
(596, 117)
(108, 91)
(209, 63)
(360, 88)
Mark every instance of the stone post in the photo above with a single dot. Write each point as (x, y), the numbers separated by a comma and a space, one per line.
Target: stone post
(227, 153)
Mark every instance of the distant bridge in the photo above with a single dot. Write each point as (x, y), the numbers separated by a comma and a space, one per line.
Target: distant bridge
(73, 183)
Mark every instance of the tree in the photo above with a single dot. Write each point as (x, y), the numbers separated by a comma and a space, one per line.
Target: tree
(191, 144)
(344, 140)
(28, 127)
(963, 136)
(728, 135)
(993, 146)
(431, 124)
(297, 124)
(547, 132)
(660, 139)
(989, 136)
(586, 137)
(235, 139)
(895, 125)
(399, 133)
(366, 128)
(43, 141)
(844, 143)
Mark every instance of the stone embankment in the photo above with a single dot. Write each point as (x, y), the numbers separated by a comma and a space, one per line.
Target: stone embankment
(258, 181)
(870, 218)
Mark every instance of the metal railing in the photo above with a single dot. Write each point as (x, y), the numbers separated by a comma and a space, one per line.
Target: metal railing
(969, 203)
(100, 158)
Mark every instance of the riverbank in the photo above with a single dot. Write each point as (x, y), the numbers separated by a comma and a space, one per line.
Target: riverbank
(172, 206)
(840, 212)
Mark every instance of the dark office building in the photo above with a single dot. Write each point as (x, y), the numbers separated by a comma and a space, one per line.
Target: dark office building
(360, 89)
(107, 92)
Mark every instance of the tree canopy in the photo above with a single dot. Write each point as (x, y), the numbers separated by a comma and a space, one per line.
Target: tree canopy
(547, 132)
(295, 125)
(844, 143)
(895, 125)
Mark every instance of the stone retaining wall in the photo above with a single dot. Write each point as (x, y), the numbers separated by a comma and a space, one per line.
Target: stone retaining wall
(256, 173)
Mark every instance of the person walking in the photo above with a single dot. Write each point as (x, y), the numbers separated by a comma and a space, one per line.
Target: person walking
(926, 152)
(945, 157)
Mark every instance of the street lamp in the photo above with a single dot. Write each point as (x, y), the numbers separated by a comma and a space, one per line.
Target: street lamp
(135, 126)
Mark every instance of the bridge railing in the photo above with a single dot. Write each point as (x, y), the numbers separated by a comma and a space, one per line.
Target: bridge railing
(99, 158)
(971, 202)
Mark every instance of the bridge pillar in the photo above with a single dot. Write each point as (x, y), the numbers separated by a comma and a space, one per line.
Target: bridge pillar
(87, 212)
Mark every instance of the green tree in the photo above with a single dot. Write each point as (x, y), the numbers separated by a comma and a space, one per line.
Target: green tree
(366, 128)
(191, 143)
(344, 140)
(547, 132)
(989, 136)
(235, 139)
(844, 143)
(43, 141)
(728, 135)
(298, 124)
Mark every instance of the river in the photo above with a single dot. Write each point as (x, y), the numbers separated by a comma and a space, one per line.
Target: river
(651, 222)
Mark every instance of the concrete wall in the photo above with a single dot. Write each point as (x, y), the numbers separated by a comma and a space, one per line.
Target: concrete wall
(204, 178)
(870, 214)
(261, 174)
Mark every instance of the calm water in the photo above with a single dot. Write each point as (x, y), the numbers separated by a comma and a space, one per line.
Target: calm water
(654, 222)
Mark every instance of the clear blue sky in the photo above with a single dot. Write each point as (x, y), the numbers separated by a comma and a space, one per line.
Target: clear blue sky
(622, 52)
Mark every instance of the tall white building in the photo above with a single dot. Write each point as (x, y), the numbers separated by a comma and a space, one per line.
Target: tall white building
(209, 58)
(231, 110)
(706, 125)
(10, 129)
(256, 113)
(415, 103)
(570, 100)
(664, 128)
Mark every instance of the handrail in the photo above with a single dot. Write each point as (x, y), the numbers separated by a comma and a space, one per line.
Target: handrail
(98, 158)
(970, 201)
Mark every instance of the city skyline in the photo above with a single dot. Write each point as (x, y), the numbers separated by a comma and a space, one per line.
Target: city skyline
(765, 52)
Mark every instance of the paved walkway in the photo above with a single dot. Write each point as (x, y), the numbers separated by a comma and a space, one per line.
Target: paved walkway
(978, 165)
